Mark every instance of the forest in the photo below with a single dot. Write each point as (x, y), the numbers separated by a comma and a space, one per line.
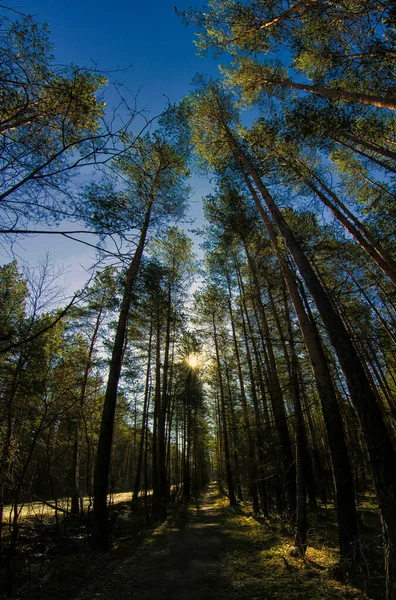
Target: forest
(246, 388)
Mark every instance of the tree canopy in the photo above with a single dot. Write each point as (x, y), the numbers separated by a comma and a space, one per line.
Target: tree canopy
(264, 360)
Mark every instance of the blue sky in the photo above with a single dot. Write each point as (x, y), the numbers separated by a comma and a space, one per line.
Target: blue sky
(147, 35)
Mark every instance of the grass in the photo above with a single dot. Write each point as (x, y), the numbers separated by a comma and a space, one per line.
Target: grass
(251, 558)
(42, 510)
(263, 561)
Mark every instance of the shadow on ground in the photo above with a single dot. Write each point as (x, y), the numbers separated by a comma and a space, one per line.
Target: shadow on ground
(208, 551)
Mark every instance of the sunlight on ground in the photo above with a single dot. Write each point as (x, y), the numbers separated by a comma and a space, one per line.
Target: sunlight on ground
(262, 556)
(210, 547)
(203, 525)
(39, 510)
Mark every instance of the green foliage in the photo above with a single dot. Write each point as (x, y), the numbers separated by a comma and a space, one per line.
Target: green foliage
(212, 117)
(36, 94)
(325, 43)
(13, 294)
(150, 168)
(50, 123)
(257, 80)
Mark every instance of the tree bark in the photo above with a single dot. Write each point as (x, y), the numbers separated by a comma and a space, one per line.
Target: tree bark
(335, 94)
(230, 483)
(77, 498)
(253, 475)
(100, 524)
(146, 402)
(346, 508)
(381, 451)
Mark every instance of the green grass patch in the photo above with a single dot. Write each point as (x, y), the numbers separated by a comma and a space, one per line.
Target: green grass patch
(262, 563)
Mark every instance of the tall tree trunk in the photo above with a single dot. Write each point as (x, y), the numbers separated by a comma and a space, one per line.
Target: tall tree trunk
(276, 395)
(346, 509)
(77, 497)
(100, 524)
(146, 402)
(358, 231)
(334, 93)
(230, 483)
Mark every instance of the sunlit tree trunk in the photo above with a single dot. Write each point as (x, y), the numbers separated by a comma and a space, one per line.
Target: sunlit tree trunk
(335, 94)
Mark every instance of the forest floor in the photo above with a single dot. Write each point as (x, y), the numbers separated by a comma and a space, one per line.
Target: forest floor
(206, 550)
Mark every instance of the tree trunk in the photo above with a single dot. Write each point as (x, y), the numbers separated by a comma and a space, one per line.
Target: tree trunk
(100, 524)
(230, 483)
(77, 497)
(378, 254)
(335, 94)
(381, 452)
(146, 403)
(276, 396)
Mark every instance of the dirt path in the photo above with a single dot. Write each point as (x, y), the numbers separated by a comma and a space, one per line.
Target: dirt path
(207, 551)
(182, 559)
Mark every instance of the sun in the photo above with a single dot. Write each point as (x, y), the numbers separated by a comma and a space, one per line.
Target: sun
(192, 360)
